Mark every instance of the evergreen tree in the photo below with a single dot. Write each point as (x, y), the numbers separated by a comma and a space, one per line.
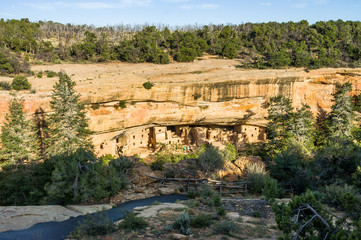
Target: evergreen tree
(19, 141)
(69, 145)
(70, 173)
(341, 116)
(322, 127)
(280, 116)
(68, 124)
(302, 126)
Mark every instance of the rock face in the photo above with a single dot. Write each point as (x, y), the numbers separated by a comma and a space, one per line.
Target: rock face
(154, 210)
(23, 217)
(203, 93)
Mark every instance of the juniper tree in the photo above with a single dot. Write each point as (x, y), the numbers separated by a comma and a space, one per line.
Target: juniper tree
(341, 116)
(68, 124)
(19, 141)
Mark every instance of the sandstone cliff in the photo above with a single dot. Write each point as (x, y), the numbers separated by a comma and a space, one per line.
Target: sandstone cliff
(206, 92)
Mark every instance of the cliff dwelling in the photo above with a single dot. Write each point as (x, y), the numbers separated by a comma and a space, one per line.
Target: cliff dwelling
(147, 139)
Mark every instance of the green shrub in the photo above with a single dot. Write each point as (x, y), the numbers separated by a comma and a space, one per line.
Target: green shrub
(185, 54)
(230, 153)
(95, 106)
(5, 64)
(270, 190)
(203, 107)
(183, 224)
(51, 74)
(20, 83)
(157, 165)
(350, 203)
(24, 184)
(94, 180)
(210, 160)
(289, 167)
(162, 158)
(148, 85)
(221, 211)
(192, 203)
(106, 159)
(197, 96)
(285, 215)
(216, 200)
(94, 225)
(169, 173)
(5, 85)
(206, 192)
(132, 222)
(122, 104)
(200, 221)
(256, 175)
(225, 227)
(332, 194)
(193, 193)
(256, 214)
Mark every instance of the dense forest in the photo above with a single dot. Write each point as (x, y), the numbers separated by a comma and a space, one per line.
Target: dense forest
(258, 45)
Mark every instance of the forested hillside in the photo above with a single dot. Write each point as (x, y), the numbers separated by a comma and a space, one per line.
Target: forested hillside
(259, 45)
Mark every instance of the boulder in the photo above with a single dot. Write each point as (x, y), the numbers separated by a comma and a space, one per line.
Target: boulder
(153, 210)
(23, 217)
(230, 172)
(233, 215)
(166, 190)
(242, 162)
(178, 236)
(83, 209)
(141, 171)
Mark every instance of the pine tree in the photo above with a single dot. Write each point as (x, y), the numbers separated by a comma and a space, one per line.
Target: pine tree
(341, 116)
(19, 141)
(68, 124)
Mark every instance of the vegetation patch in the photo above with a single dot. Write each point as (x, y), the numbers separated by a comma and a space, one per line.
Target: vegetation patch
(5, 85)
(148, 85)
(131, 222)
(94, 225)
(197, 96)
(20, 83)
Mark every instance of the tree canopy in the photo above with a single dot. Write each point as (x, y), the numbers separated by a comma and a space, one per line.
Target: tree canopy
(260, 45)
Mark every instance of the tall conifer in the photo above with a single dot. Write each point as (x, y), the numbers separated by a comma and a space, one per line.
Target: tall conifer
(341, 116)
(68, 124)
(280, 116)
(18, 139)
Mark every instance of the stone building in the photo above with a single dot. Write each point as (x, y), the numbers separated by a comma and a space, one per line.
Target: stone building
(251, 134)
(133, 140)
(140, 140)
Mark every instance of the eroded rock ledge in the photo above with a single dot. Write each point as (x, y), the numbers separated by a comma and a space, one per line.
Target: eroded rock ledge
(204, 93)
